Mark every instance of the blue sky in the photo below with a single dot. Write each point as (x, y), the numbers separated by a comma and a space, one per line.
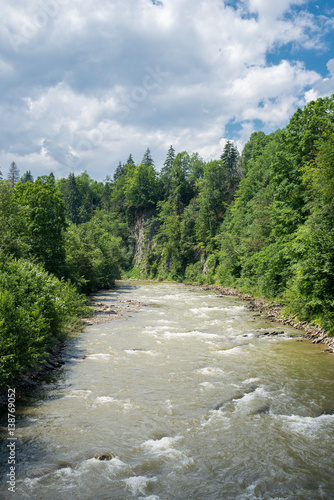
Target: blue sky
(83, 85)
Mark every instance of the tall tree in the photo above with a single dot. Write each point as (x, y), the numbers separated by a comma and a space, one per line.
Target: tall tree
(119, 171)
(165, 173)
(231, 161)
(13, 174)
(141, 189)
(168, 163)
(130, 161)
(49, 179)
(44, 217)
(70, 194)
(27, 177)
(147, 158)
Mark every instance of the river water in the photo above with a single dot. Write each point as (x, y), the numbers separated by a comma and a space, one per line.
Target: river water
(191, 397)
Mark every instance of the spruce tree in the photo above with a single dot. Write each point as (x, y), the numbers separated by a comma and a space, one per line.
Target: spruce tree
(168, 163)
(13, 174)
(147, 158)
(71, 199)
(27, 177)
(130, 161)
(118, 172)
(230, 156)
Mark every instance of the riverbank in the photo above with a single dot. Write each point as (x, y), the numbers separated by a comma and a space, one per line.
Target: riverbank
(274, 312)
(101, 313)
(104, 313)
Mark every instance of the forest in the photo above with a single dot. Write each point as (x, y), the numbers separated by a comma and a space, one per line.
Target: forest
(261, 221)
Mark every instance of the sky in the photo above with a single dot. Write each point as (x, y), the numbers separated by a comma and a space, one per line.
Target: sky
(84, 84)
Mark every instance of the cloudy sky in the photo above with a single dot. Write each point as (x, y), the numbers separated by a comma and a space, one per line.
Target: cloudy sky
(84, 84)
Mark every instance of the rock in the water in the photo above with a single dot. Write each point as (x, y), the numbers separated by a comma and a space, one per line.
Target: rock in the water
(104, 456)
(327, 411)
(262, 411)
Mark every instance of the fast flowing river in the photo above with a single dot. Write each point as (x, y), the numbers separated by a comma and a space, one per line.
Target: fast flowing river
(191, 397)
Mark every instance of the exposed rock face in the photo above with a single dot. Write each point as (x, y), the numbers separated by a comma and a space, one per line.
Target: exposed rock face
(143, 232)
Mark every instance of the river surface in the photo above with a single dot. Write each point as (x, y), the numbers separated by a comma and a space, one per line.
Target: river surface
(191, 397)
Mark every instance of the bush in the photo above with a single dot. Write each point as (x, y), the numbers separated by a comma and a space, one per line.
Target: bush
(35, 310)
(93, 256)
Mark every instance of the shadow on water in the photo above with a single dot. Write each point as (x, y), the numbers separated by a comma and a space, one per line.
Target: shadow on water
(48, 387)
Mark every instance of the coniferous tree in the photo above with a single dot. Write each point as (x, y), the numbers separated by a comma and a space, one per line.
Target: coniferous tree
(147, 158)
(230, 156)
(231, 161)
(119, 171)
(130, 161)
(14, 174)
(27, 177)
(71, 198)
(165, 174)
(49, 179)
(168, 163)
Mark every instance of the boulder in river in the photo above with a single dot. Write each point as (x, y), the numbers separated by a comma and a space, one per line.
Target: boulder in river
(104, 456)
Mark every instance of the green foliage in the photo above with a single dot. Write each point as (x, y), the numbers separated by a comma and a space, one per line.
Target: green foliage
(12, 224)
(93, 255)
(194, 273)
(27, 177)
(262, 222)
(147, 158)
(141, 189)
(216, 191)
(35, 310)
(82, 196)
(43, 214)
(277, 235)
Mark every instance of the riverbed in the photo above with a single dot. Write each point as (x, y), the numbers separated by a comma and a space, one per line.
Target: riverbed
(195, 397)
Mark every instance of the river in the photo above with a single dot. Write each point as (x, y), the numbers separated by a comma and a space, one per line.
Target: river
(190, 396)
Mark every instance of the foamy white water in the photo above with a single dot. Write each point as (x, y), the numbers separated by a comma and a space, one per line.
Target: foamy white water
(192, 400)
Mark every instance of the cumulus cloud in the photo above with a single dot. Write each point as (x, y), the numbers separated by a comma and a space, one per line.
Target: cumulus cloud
(85, 84)
(325, 86)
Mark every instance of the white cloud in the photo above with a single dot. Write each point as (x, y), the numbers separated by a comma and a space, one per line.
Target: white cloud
(85, 84)
(324, 87)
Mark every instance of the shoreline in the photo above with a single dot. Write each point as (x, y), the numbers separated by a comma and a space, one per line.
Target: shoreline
(56, 358)
(274, 313)
(103, 313)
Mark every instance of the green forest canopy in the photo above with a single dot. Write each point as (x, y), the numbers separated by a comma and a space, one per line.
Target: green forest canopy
(262, 222)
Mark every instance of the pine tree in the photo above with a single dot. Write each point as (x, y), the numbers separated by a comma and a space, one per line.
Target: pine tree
(165, 173)
(71, 199)
(231, 161)
(119, 171)
(230, 156)
(27, 177)
(130, 161)
(14, 174)
(147, 158)
(168, 163)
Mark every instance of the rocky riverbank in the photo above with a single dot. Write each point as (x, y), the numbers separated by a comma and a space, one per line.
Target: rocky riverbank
(274, 312)
(29, 380)
(104, 313)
